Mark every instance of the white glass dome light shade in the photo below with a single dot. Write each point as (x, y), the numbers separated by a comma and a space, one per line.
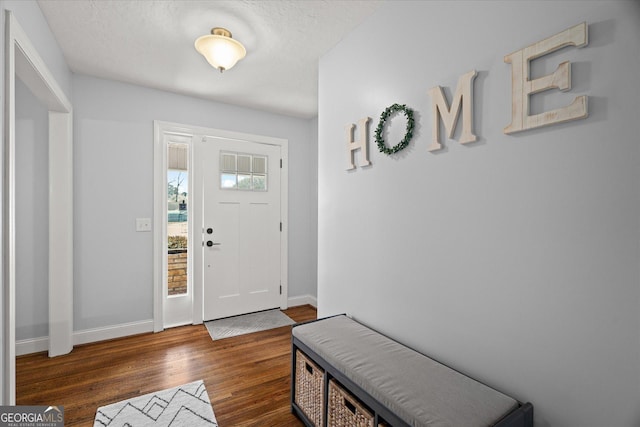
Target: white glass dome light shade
(220, 50)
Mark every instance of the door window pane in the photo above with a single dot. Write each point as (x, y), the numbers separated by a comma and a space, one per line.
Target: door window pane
(241, 171)
(228, 162)
(259, 164)
(244, 163)
(228, 180)
(259, 182)
(244, 182)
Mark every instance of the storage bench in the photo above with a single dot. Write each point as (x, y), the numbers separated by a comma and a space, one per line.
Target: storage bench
(388, 382)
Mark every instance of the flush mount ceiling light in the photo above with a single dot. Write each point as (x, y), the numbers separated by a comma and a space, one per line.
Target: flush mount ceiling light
(220, 50)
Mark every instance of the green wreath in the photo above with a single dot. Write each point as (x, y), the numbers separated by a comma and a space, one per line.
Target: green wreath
(408, 112)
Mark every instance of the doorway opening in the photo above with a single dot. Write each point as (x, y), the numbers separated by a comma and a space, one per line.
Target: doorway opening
(23, 62)
(179, 206)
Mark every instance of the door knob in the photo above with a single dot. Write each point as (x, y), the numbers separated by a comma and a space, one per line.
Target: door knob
(210, 243)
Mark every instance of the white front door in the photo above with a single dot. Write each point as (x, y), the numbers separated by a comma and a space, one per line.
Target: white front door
(241, 226)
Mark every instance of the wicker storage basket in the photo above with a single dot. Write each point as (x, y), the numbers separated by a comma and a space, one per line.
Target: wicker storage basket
(309, 388)
(345, 410)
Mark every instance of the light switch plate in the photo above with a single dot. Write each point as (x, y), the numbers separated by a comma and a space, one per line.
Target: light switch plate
(143, 224)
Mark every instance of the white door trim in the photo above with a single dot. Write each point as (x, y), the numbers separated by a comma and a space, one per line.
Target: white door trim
(197, 133)
(163, 135)
(22, 59)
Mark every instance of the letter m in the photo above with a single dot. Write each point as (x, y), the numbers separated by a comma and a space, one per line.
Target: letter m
(462, 99)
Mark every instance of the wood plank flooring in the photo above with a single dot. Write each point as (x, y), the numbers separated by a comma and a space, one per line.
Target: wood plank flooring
(247, 377)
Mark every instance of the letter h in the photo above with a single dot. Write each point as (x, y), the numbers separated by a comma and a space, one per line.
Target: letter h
(360, 144)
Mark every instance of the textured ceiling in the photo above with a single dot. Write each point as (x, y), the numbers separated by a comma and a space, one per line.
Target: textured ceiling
(150, 43)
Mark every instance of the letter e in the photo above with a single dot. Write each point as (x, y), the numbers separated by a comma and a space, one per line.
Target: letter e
(522, 87)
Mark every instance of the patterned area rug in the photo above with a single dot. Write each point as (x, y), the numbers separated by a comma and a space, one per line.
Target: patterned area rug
(247, 323)
(184, 406)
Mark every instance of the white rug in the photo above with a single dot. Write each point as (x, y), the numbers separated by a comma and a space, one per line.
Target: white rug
(247, 323)
(184, 406)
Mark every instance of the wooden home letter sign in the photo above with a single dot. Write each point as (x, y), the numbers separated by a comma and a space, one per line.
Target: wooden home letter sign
(521, 89)
(361, 144)
(462, 99)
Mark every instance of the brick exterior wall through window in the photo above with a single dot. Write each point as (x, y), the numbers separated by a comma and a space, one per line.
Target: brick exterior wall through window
(177, 272)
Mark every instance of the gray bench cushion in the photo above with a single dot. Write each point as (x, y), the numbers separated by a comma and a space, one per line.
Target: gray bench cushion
(416, 388)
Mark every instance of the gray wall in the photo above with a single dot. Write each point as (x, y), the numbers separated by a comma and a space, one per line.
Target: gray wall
(113, 178)
(513, 259)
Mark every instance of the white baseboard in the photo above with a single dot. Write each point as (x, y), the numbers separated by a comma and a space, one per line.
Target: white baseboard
(302, 300)
(32, 345)
(37, 345)
(111, 332)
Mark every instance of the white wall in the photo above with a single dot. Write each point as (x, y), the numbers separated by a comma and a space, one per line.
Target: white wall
(32, 216)
(32, 187)
(113, 178)
(32, 21)
(4, 339)
(513, 259)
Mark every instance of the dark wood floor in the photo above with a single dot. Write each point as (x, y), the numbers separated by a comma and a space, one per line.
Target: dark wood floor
(247, 377)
